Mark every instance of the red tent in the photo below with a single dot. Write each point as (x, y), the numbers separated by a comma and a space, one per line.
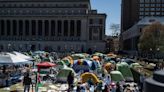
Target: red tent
(45, 64)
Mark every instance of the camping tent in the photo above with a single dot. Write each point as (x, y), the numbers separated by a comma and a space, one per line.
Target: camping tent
(63, 74)
(124, 68)
(86, 76)
(116, 76)
(82, 64)
(12, 59)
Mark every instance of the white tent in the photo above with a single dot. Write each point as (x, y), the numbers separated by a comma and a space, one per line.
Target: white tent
(23, 56)
(12, 59)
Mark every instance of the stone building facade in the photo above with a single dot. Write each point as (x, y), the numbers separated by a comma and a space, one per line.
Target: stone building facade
(53, 25)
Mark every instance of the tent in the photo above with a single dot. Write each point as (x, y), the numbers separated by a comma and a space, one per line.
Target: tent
(82, 64)
(135, 65)
(63, 74)
(12, 59)
(23, 56)
(68, 60)
(86, 76)
(116, 76)
(78, 56)
(124, 68)
(108, 66)
(96, 58)
(60, 64)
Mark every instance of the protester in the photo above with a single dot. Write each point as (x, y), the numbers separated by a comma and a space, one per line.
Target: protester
(142, 79)
(27, 82)
(70, 80)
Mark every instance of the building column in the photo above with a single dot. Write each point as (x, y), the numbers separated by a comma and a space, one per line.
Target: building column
(62, 28)
(36, 21)
(49, 31)
(43, 28)
(11, 30)
(30, 28)
(56, 29)
(24, 28)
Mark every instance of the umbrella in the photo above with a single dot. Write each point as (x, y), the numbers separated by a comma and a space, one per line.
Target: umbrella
(46, 64)
(116, 76)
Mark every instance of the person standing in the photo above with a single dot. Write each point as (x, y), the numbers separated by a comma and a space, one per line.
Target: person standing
(70, 80)
(27, 82)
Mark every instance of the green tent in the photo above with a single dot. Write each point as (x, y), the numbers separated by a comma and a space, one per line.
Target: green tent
(116, 76)
(135, 65)
(61, 64)
(78, 56)
(124, 68)
(63, 74)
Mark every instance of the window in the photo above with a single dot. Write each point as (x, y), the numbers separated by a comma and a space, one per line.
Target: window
(141, 13)
(141, 9)
(91, 21)
(152, 9)
(2, 27)
(78, 27)
(40, 27)
(90, 33)
(100, 21)
(141, 1)
(141, 5)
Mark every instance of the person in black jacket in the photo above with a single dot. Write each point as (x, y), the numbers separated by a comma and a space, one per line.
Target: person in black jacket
(27, 82)
(70, 80)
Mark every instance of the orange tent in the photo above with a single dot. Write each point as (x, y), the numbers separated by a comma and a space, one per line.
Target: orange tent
(108, 66)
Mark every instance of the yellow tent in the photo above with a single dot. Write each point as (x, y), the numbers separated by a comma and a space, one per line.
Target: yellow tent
(86, 76)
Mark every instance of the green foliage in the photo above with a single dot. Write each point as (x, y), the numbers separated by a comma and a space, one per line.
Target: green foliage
(152, 38)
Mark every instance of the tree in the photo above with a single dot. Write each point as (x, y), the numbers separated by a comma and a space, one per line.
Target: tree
(152, 38)
(115, 29)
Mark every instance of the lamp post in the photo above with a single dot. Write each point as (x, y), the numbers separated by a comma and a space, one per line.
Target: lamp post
(158, 50)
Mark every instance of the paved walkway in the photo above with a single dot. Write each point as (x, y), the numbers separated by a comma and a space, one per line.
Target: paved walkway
(49, 88)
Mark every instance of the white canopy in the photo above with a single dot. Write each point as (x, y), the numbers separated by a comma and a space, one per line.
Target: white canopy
(12, 59)
(23, 56)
